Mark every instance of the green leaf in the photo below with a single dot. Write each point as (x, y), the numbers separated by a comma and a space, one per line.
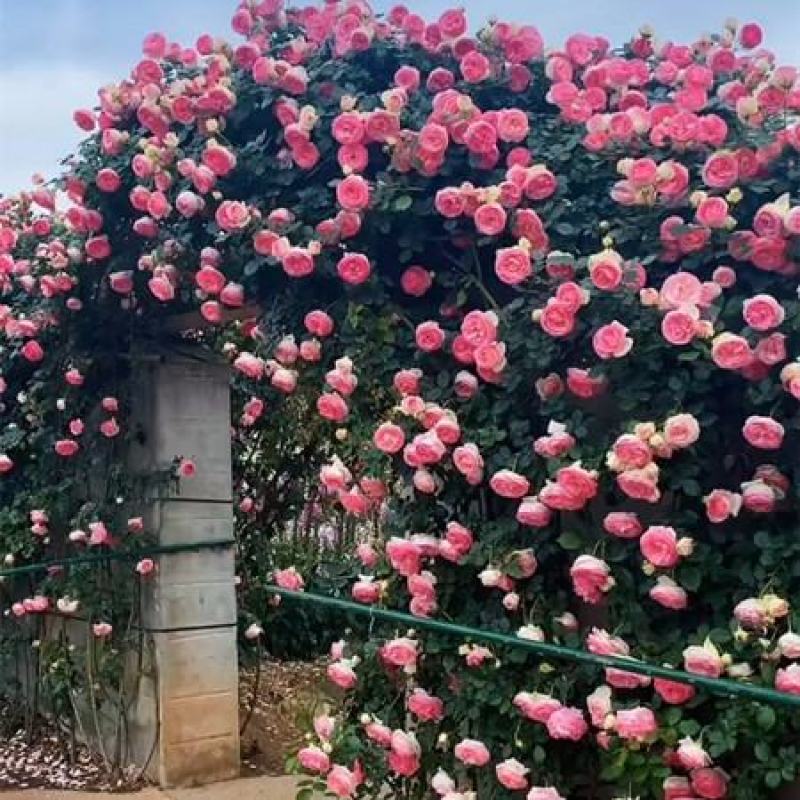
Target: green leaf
(403, 203)
(773, 779)
(569, 540)
(765, 718)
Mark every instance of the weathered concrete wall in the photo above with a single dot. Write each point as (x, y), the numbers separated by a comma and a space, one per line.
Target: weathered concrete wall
(187, 699)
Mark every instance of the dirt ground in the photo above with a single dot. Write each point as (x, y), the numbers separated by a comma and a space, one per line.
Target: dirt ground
(277, 705)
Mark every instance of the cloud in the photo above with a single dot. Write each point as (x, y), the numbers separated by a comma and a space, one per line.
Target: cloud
(36, 127)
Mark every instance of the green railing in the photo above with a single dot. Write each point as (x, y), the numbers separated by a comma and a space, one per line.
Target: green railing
(721, 686)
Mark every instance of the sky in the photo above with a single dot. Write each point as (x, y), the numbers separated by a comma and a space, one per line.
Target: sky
(54, 54)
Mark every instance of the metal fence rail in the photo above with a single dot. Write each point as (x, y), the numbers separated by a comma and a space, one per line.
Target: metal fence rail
(720, 686)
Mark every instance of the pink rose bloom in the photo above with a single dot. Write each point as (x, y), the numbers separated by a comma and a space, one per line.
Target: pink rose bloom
(425, 707)
(404, 556)
(638, 724)
(366, 590)
(513, 265)
(472, 753)
(400, 652)
(475, 67)
(341, 781)
(605, 270)
(722, 504)
(703, 660)
(750, 35)
(787, 679)
(681, 289)
(758, 497)
(535, 706)
(249, 365)
(711, 784)
(102, 629)
(659, 545)
(712, 212)
(289, 578)
(721, 170)
(623, 524)
(512, 774)
(145, 566)
(691, 755)
(479, 328)
(591, 578)
(342, 674)
(789, 645)
(232, 215)
(66, 447)
(640, 484)
(490, 219)
(465, 385)
(449, 202)
(332, 407)
(668, 594)
(557, 318)
(533, 512)
(389, 438)
(318, 323)
(730, 351)
(631, 452)
(509, 484)
(567, 723)
(313, 759)
(771, 350)
(354, 268)
(407, 381)
(353, 193)
(681, 430)
(763, 433)
(673, 692)
(581, 383)
(543, 793)
(429, 337)
(763, 312)
(378, 733)
(416, 281)
(612, 341)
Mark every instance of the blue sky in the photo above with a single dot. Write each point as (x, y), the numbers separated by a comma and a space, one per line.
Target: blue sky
(55, 53)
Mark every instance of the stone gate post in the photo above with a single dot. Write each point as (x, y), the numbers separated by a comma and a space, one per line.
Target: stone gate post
(185, 719)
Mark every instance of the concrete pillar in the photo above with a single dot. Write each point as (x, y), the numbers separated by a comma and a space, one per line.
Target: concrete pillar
(185, 719)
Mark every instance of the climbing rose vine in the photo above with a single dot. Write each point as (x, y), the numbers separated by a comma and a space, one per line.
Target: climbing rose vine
(539, 308)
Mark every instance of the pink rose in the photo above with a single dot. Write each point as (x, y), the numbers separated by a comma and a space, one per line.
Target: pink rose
(730, 351)
(543, 793)
(681, 289)
(787, 679)
(623, 524)
(605, 270)
(638, 724)
(342, 674)
(681, 430)
(512, 774)
(416, 281)
(472, 753)
(721, 170)
(490, 219)
(667, 593)
(404, 556)
(512, 265)
(679, 326)
(750, 35)
(722, 504)
(425, 707)
(631, 452)
(591, 578)
(536, 707)
(509, 484)
(557, 318)
(352, 193)
(709, 783)
(232, 215)
(763, 432)
(475, 67)
(763, 312)
(467, 458)
(289, 578)
(673, 692)
(703, 660)
(389, 438)
(318, 323)
(659, 545)
(479, 327)
(612, 341)
(691, 755)
(354, 268)
(313, 759)
(341, 781)
(712, 212)
(449, 202)
(400, 652)
(567, 723)
(429, 337)
(66, 447)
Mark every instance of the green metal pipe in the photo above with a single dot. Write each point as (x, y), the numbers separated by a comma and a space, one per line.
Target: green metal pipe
(721, 686)
(116, 555)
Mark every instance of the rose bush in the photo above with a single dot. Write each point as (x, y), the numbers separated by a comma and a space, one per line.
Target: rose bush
(530, 314)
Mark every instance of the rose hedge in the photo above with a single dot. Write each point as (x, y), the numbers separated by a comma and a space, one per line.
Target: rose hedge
(534, 312)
